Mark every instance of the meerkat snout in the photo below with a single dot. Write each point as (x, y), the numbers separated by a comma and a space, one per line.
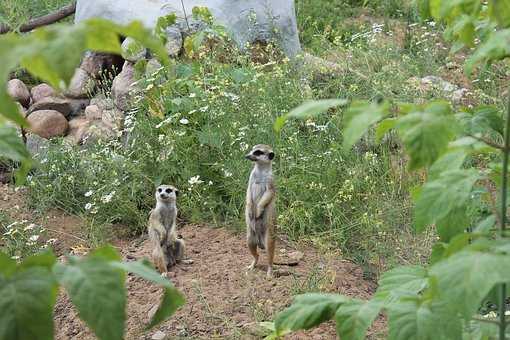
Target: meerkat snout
(260, 154)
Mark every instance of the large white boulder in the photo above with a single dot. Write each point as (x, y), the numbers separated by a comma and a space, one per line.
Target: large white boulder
(247, 20)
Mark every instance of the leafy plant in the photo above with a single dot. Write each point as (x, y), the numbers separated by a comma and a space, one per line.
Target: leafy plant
(95, 285)
(469, 264)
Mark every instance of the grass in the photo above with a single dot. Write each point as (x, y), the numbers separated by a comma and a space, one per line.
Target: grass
(195, 121)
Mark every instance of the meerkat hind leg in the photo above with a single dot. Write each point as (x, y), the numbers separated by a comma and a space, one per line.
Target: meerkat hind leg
(253, 250)
(270, 242)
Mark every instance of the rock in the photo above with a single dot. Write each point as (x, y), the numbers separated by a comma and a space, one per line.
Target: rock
(37, 146)
(438, 82)
(113, 118)
(173, 44)
(96, 64)
(236, 16)
(102, 102)
(122, 87)
(59, 104)
(152, 67)
(93, 112)
(78, 129)
(458, 95)
(42, 91)
(152, 311)
(159, 335)
(18, 91)
(97, 131)
(48, 123)
(132, 50)
(82, 85)
(78, 106)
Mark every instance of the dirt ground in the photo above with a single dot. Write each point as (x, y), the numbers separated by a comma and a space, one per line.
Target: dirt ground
(223, 301)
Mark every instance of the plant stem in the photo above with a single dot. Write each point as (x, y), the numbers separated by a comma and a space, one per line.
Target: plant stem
(502, 305)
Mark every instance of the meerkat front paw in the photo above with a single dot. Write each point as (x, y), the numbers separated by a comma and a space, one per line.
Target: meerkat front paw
(259, 212)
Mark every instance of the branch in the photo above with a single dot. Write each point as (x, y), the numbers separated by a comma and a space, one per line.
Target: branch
(51, 18)
(488, 142)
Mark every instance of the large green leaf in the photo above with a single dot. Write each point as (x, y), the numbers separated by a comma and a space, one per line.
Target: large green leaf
(172, 299)
(441, 196)
(496, 47)
(308, 109)
(355, 316)
(426, 133)
(482, 119)
(399, 282)
(416, 318)
(7, 265)
(358, 119)
(26, 302)
(307, 311)
(466, 277)
(456, 222)
(451, 160)
(500, 10)
(97, 290)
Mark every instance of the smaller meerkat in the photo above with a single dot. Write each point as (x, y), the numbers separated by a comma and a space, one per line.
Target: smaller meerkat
(168, 248)
(260, 211)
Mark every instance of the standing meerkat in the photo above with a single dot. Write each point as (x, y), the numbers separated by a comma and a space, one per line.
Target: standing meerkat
(168, 249)
(260, 205)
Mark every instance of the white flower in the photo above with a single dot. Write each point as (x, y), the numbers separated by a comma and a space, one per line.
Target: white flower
(29, 227)
(149, 87)
(203, 109)
(227, 173)
(107, 198)
(192, 95)
(15, 257)
(89, 193)
(88, 206)
(33, 238)
(51, 241)
(184, 121)
(195, 180)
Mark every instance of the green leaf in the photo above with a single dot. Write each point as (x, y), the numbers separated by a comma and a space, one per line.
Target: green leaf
(7, 265)
(441, 196)
(26, 301)
(308, 109)
(172, 299)
(97, 290)
(452, 160)
(401, 281)
(456, 222)
(354, 317)
(500, 10)
(426, 134)
(307, 311)
(496, 47)
(11, 145)
(486, 224)
(46, 259)
(465, 278)
(359, 117)
(482, 120)
(383, 127)
(416, 318)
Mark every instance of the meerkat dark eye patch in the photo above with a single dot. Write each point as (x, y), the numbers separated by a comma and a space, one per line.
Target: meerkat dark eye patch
(271, 155)
(168, 191)
(160, 190)
(257, 153)
(176, 192)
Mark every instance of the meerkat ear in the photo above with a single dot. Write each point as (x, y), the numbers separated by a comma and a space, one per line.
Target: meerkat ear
(176, 192)
(271, 155)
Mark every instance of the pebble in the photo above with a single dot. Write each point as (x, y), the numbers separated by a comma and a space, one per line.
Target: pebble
(159, 335)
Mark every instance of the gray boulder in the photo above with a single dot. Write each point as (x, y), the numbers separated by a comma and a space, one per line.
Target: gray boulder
(236, 15)
(174, 41)
(18, 91)
(59, 104)
(48, 123)
(132, 50)
(42, 91)
(81, 86)
(123, 86)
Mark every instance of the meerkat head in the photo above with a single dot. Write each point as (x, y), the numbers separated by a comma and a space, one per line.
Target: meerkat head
(261, 153)
(166, 193)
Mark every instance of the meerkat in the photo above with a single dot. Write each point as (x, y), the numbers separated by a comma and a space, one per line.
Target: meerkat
(260, 205)
(168, 248)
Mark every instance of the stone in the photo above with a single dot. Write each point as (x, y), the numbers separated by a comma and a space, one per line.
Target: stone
(97, 131)
(37, 146)
(174, 41)
(78, 128)
(18, 91)
(42, 91)
(247, 20)
(78, 106)
(152, 67)
(159, 335)
(82, 85)
(132, 50)
(93, 112)
(96, 63)
(122, 87)
(438, 82)
(48, 123)
(59, 104)
(102, 102)
(113, 118)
